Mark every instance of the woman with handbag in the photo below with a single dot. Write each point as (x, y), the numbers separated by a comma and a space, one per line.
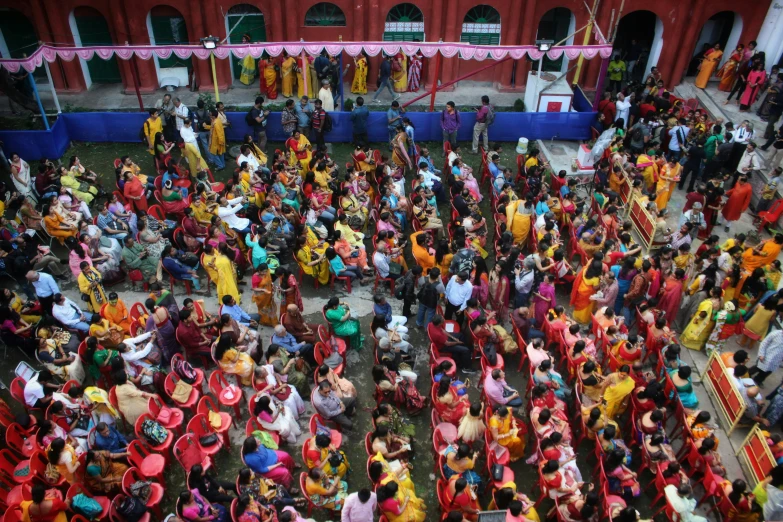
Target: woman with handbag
(272, 383)
(319, 452)
(294, 370)
(276, 417)
(196, 508)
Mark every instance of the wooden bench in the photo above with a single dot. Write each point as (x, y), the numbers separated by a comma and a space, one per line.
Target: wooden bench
(643, 223)
(756, 455)
(717, 380)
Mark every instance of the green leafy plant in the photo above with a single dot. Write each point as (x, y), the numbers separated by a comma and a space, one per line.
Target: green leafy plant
(519, 105)
(206, 97)
(348, 105)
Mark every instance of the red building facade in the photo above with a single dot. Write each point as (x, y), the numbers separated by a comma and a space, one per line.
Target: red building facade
(513, 22)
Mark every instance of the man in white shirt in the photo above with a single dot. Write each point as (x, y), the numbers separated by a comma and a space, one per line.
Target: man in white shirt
(380, 259)
(743, 134)
(227, 211)
(458, 291)
(326, 96)
(38, 390)
(70, 315)
(431, 181)
(678, 135)
(748, 163)
(623, 109)
(181, 112)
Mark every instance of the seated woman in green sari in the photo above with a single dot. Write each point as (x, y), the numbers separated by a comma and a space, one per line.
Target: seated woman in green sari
(99, 356)
(681, 378)
(339, 316)
(387, 415)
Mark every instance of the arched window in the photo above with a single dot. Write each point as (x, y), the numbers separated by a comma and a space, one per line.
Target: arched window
(325, 14)
(404, 23)
(481, 26)
(244, 19)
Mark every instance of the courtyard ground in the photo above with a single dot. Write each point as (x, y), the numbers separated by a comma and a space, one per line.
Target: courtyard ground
(99, 157)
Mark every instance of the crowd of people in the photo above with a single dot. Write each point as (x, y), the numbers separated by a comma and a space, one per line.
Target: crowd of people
(489, 247)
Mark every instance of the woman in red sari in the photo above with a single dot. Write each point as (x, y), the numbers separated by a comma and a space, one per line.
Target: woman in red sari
(134, 192)
(585, 285)
(712, 206)
(449, 405)
(544, 298)
(499, 288)
(561, 483)
(670, 299)
(289, 288)
(460, 496)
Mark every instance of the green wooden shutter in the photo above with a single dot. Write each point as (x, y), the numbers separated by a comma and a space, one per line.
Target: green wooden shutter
(169, 30)
(20, 36)
(252, 24)
(93, 31)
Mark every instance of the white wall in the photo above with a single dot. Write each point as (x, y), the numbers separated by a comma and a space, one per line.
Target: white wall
(734, 36)
(77, 40)
(770, 38)
(655, 49)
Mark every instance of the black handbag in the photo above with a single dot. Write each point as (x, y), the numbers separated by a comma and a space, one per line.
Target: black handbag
(208, 440)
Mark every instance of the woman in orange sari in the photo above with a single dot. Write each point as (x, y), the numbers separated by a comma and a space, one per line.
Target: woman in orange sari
(117, 313)
(669, 176)
(267, 69)
(728, 73)
(585, 285)
(762, 254)
(707, 66)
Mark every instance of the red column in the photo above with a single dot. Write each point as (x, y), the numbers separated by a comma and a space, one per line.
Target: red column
(66, 76)
(274, 24)
(510, 36)
(453, 30)
(134, 15)
(291, 23)
(685, 50)
(119, 34)
(529, 29)
(434, 33)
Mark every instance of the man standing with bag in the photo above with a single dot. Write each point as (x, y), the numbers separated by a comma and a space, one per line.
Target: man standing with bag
(256, 118)
(484, 114)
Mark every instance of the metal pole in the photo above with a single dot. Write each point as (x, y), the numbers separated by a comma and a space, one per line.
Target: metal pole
(585, 41)
(38, 100)
(435, 82)
(538, 79)
(342, 87)
(456, 80)
(214, 77)
(51, 86)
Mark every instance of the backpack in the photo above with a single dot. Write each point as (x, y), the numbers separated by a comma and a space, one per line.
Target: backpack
(428, 295)
(490, 118)
(637, 135)
(154, 432)
(143, 132)
(131, 509)
(202, 115)
(326, 126)
(185, 371)
(141, 489)
(86, 506)
(250, 119)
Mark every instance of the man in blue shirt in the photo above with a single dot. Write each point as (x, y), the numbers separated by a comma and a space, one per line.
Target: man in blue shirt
(231, 308)
(385, 75)
(178, 270)
(303, 112)
(359, 116)
(494, 165)
(394, 118)
(107, 438)
(289, 342)
(45, 288)
(424, 155)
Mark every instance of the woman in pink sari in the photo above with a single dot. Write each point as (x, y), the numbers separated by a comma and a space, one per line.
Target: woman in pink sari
(544, 298)
(499, 288)
(753, 87)
(414, 72)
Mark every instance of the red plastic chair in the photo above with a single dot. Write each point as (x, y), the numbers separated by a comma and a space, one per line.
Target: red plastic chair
(188, 453)
(345, 280)
(253, 424)
(767, 217)
(334, 429)
(16, 470)
(114, 514)
(105, 503)
(170, 383)
(321, 352)
(17, 392)
(157, 212)
(200, 427)
(163, 448)
(207, 405)
(149, 464)
(227, 394)
(116, 405)
(326, 334)
(20, 442)
(177, 416)
(38, 463)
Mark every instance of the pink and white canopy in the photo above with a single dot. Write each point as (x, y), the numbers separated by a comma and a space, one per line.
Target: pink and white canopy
(428, 49)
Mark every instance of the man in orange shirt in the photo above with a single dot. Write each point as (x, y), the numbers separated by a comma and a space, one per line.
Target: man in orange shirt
(424, 255)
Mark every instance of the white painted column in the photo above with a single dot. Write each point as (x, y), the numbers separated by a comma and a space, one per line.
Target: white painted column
(770, 38)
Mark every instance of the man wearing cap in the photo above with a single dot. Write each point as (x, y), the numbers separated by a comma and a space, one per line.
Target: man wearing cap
(326, 96)
(695, 217)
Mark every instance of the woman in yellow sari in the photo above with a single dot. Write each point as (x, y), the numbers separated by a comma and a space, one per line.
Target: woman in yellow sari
(302, 78)
(519, 216)
(728, 73)
(381, 474)
(670, 175)
(359, 85)
(617, 388)
(16, 304)
(698, 330)
(299, 150)
(248, 73)
(44, 506)
(400, 72)
(109, 336)
(233, 361)
(208, 262)
(287, 74)
(646, 164)
(264, 296)
(311, 262)
(506, 433)
(585, 285)
(226, 276)
(196, 162)
(217, 138)
(397, 506)
(708, 66)
(763, 254)
(268, 66)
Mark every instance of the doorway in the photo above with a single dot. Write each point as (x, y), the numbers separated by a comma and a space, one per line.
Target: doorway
(639, 40)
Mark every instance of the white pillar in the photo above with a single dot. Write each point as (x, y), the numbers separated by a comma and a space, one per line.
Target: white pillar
(770, 38)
